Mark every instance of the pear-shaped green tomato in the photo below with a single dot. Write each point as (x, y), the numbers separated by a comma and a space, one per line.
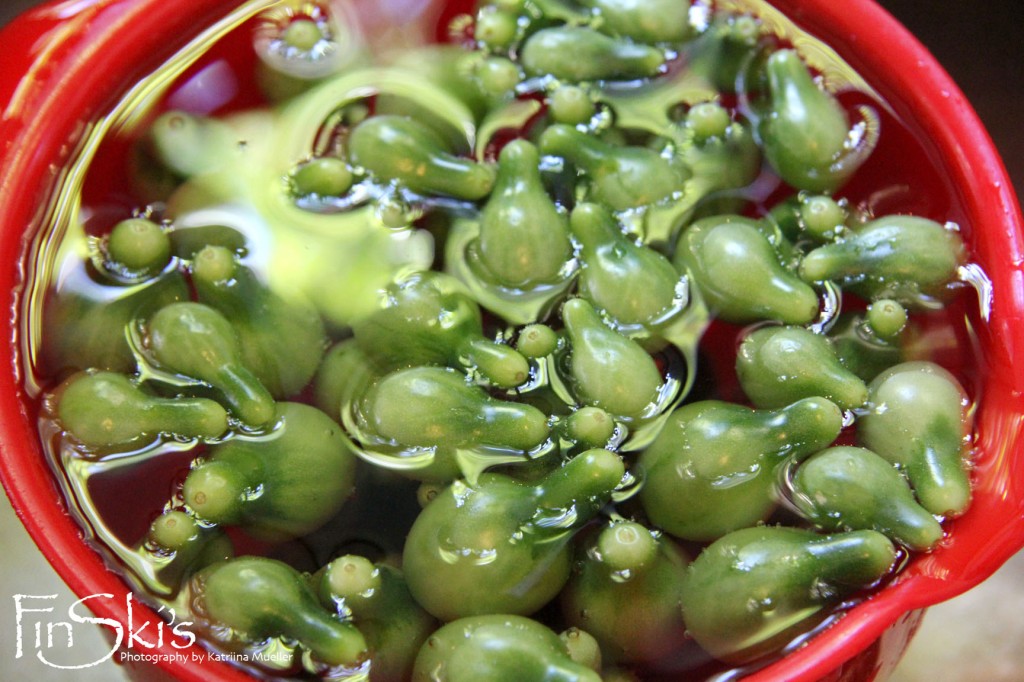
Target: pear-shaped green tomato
(179, 546)
(323, 176)
(886, 318)
(196, 341)
(497, 77)
(174, 531)
(708, 121)
(188, 145)
(84, 324)
(447, 68)
(780, 365)
(725, 50)
(376, 595)
(498, 648)
(187, 241)
(138, 245)
(720, 164)
(607, 369)
(577, 53)
(398, 148)
(590, 426)
(646, 21)
(104, 410)
(808, 218)
(822, 218)
(537, 341)
(429, 319)
(303, 473)
(434, 406)
(582, 648)
(805, 130)
(918, 420)
(860, 349)
(712, 469)
(524, 239)
(632, 283)
(282, 340)
(739, 275)
(847, 488)
(898, 256)
(496, 28)
(571, 104)
(751, 592)
(258, 598)
(301, 52)
(302, 34)
(345, 373)
(621, 177)
(625, 593)
(501, 546)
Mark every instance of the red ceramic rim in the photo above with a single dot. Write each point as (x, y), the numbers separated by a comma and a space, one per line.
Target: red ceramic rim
(67, 66)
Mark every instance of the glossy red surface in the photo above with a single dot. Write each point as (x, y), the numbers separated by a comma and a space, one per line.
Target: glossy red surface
(67, 63)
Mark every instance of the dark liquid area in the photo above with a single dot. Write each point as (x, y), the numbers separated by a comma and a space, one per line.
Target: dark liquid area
(124, 498)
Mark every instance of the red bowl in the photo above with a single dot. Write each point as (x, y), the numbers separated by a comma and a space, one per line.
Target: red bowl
(68, 63)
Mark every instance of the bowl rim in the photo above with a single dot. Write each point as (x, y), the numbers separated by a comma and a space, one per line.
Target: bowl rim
(60, 74)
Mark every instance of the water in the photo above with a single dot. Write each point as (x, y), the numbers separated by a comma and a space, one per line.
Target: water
(116, 497)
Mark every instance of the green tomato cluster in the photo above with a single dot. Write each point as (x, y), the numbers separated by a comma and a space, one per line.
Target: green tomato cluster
(530, 366)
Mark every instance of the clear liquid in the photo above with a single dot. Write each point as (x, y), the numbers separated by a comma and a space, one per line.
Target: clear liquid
(117, 497)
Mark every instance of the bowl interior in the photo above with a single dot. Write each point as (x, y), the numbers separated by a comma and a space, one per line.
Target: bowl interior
(106, 45)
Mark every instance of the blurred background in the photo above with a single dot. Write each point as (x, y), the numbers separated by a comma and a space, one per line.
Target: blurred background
(974, 637)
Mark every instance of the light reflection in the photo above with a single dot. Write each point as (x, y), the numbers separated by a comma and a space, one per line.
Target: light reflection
(973, 275)
(66, 10)
(207, 91)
